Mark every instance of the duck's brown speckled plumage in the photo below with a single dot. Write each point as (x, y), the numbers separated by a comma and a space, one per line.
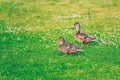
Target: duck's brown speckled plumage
(67, 48)
(82, 37)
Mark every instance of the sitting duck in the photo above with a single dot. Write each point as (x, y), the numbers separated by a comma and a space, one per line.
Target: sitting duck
(66, 48)
(82, 37)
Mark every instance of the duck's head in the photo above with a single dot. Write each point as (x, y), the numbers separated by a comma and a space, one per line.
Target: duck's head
(60, 41)
(77, 26)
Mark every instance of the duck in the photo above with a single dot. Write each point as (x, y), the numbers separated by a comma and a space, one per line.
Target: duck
(82, 37)
(67, 48)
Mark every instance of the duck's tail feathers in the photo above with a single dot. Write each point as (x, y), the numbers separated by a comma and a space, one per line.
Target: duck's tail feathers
(80, 50)
(94, 40)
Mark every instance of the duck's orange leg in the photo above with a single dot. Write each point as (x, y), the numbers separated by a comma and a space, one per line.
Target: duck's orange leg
(65, 53)
(81, 43)
(86, 43)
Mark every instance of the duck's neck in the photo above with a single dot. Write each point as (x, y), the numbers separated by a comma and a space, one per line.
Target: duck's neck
(77, 31)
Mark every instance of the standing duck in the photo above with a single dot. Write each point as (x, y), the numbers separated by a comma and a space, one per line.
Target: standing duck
(66, 48)
(82, 37)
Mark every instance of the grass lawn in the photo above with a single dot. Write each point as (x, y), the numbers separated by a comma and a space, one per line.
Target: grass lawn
(29, 30)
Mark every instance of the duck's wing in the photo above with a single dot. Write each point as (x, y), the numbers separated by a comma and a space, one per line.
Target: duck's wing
(72, 47)
(86, 36)
(83, 34)
(69, 46)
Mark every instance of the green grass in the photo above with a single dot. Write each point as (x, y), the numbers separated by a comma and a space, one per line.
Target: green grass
(29, 30)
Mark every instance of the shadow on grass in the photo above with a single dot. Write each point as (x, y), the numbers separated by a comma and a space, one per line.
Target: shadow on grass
(94, 43)
(74, 54)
